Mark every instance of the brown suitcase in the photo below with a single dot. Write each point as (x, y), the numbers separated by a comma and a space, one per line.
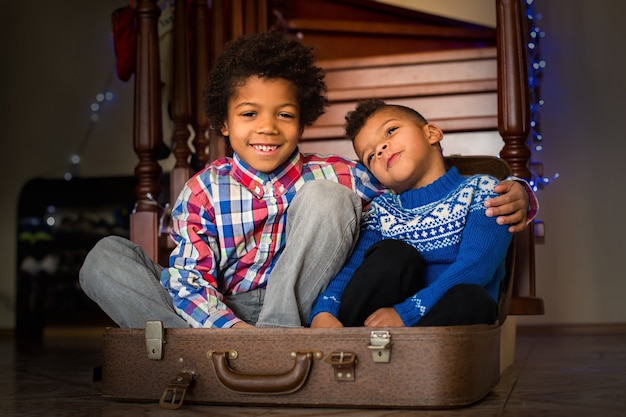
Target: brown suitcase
(420, 367)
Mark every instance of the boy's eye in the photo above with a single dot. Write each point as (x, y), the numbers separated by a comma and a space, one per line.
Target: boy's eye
(286, 115)
(369, 158)
(248, 114)
(391, 130)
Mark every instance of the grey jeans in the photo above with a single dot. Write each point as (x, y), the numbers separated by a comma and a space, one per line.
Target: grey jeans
(322, 227)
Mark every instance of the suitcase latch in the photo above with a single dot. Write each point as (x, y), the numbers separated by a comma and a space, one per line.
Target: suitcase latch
(154, 340)
(343, 363)
(174, 393)
(380, 345)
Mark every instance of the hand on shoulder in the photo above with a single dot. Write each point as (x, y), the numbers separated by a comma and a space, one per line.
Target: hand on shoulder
(511, 206)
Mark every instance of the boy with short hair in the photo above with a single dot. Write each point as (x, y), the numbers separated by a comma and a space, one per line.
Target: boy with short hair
(257, 235)
(427, 254)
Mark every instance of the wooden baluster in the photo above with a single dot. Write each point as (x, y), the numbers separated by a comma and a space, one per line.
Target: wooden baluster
(236, 19)
(248, 17)
(147, 129)
(218, 37)
(254, 19)
(513, 96)
(200, 70)
(218, 29)
(181, 101)
(262, 19)
(514, 127)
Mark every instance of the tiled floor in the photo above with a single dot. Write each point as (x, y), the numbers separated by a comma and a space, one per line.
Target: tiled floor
(568, 376)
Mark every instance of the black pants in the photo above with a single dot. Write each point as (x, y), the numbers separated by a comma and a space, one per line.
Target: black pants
(391, 272)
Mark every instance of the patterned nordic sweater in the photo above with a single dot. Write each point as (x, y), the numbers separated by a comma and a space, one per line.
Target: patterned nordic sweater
(447, 224)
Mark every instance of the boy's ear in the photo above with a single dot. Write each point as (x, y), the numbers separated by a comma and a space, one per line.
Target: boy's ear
(224, 129)
(435, 134)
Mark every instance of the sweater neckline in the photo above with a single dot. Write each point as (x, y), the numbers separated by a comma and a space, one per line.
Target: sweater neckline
(434, 191)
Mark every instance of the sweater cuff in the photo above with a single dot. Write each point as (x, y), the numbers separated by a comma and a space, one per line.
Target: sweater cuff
(410, 311)
(326, 304)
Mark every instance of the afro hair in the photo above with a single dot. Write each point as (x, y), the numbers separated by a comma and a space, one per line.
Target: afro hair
(269, 55)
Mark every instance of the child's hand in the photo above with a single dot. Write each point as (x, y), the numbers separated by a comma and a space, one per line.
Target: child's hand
(511, 206)
(387, 317)
(325, 320)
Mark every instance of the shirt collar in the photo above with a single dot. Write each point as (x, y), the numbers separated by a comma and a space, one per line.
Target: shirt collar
(281, 179)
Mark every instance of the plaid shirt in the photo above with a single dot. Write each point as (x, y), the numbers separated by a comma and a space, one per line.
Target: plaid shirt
(229, 227)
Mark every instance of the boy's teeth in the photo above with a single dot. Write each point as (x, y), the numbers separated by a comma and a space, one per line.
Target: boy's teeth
(265, 148)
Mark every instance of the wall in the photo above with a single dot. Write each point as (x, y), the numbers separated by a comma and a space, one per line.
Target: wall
(481, 12)
(58, 55)
(580, 271)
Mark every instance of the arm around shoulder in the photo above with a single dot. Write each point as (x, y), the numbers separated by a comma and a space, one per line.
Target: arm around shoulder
(516, 205)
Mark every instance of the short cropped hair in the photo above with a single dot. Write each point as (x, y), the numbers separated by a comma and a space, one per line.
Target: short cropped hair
(365, 109)
(270, 55)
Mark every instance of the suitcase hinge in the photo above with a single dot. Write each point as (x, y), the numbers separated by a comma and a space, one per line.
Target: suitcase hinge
(155, 338)
(174, 393)
(380, 345)
(343, 363)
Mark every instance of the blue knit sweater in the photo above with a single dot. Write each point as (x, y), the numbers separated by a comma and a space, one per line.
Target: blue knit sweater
(447, 224)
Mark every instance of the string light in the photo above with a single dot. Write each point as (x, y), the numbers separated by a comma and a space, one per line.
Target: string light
(535, 69)
(95, 107)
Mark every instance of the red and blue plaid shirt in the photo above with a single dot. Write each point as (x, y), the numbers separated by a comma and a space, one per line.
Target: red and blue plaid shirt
(229, 227)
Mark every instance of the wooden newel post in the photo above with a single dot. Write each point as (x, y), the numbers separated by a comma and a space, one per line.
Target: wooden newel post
(147, 129)
(514, 127)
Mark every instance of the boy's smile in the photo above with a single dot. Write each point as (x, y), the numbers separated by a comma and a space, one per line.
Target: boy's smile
(263, 123)
(392, 159)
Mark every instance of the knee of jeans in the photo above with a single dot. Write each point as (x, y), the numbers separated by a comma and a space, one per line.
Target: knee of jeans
(85, 274)
(328, 195)
(112, 248)
(112, 243)
(103, 251)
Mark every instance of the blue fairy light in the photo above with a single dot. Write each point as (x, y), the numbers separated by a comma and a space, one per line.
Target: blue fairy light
(535, 67)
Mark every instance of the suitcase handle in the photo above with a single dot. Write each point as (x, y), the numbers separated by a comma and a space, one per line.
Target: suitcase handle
(283, 383)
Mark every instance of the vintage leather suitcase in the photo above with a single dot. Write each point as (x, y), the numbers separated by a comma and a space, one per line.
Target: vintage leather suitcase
(427, 367)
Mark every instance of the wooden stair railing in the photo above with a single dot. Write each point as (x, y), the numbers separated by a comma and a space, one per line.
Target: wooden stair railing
(147, 134)
(514, 127)
(181, 102)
